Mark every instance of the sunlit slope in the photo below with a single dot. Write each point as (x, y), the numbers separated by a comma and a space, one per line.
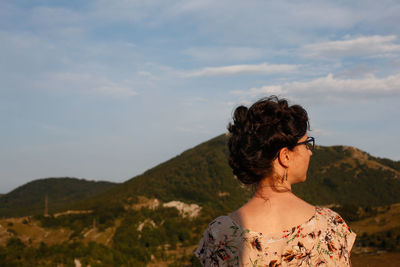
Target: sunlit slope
(347, 175)
(384, 221)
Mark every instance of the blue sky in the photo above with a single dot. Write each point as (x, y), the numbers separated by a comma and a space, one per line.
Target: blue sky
(104, 90)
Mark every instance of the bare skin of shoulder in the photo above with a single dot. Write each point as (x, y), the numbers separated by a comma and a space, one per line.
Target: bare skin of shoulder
(273, 212)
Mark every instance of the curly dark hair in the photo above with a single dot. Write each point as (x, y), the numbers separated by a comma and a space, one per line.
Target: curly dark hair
(258, 133)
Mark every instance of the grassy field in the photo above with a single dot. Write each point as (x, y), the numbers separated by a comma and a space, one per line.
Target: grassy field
(384, 259)
(382, 222)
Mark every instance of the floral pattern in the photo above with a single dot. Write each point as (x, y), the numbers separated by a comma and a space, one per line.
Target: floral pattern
(324, 240)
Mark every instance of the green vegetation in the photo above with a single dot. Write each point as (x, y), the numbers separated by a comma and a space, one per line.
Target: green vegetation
(336, 177)
(103, 216)
(143, 234)
(201, 175)
(388, 162)
(29, 199)
(146, 232)
(385, 240)
(352, 212)
(16, 253)
(76, 222)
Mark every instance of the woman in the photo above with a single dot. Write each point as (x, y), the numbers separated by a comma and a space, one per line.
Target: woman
(270, 149)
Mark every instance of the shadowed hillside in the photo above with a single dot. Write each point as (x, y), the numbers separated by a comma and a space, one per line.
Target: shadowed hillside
(29, 199)
(199, 175)
(337, 175)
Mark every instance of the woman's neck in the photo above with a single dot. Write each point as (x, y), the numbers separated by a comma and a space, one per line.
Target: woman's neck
(268, 186)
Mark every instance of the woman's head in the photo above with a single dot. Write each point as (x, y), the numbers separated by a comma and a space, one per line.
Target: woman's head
(258, 133)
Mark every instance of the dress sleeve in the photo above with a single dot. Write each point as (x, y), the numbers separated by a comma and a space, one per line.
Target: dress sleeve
(345, 240)
(207, 250)
(347, 236)
(350, 238)
(213, 248)
(203, 247)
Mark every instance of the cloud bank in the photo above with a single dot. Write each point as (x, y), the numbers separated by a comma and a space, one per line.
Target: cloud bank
(330, 88)
(375, 46)
(263, 68)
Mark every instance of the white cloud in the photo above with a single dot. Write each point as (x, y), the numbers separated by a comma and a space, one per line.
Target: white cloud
(330, 88)
(208, 18)
(372, 46)
(223, 53)
(356, 72)
(263, 68)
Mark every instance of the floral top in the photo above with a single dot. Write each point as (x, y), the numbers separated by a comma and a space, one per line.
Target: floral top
(323, 240)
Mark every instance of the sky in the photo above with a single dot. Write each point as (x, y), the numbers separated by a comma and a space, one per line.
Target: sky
(104, 90)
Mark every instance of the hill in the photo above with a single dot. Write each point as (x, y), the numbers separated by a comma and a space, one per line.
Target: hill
(29, 199)
(201, 175)
(347, 175)
(337, 175)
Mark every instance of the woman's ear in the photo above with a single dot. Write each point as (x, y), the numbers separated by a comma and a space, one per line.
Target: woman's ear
(284, 157)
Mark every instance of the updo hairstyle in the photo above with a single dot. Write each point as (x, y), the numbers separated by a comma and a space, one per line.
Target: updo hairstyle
(258, 133)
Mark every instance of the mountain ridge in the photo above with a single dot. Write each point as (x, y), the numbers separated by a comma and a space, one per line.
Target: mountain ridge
(29, 198)
(201, 175)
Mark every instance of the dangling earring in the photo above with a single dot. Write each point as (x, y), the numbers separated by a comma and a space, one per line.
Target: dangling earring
(284, 177)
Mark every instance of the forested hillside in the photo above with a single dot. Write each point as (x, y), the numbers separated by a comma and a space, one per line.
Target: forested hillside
(199, 175)
(159, 216)
(29, 199)
(337, 175)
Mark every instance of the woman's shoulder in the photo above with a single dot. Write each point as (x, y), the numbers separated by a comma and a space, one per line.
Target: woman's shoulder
(332, 221)
(221, 225)
(219, 243)
(331, 217)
